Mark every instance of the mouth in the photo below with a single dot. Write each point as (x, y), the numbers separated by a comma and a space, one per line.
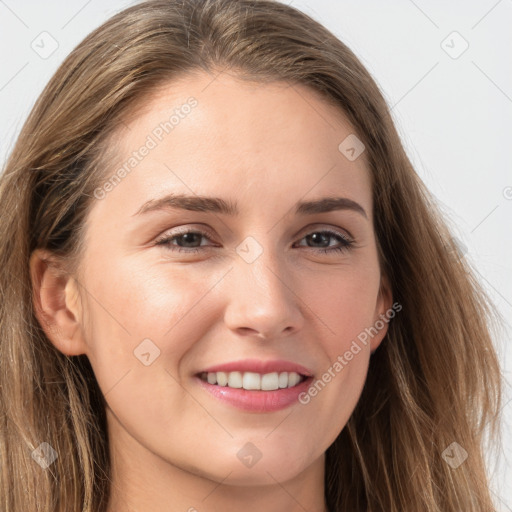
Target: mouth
(252, 381)
(256, 386)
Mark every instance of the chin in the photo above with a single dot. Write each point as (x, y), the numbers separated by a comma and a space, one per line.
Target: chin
(279, 465)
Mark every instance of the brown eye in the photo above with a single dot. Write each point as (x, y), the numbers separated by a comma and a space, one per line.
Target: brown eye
(323, 237)
(186, 241)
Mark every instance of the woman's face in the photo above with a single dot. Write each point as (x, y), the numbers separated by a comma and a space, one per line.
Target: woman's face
(250, 290)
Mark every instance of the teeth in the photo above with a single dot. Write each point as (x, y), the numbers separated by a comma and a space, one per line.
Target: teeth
(293, 379)
(220, 378)
(234, 379)
(283, 380)
(253, 381)
(270, 381)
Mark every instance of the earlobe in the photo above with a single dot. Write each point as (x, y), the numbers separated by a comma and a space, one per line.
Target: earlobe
(57, 303)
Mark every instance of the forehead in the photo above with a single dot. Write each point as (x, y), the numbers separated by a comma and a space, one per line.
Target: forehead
(259, 143)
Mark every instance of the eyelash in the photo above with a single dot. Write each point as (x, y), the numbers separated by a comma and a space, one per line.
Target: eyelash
(347, 244)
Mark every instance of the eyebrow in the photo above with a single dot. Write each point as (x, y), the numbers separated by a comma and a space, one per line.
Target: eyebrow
(218, 205)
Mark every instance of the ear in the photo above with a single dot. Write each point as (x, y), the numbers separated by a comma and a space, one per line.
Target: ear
(383, 313)
(57, 303)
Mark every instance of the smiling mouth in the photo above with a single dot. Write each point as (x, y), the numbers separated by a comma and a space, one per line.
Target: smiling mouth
(252, 381)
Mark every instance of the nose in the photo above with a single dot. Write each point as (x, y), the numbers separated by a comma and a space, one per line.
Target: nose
(262, 299)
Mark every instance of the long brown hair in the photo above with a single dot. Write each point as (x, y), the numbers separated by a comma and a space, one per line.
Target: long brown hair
(434, 381)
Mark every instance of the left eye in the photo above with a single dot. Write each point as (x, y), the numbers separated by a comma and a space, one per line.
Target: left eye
(191, 237)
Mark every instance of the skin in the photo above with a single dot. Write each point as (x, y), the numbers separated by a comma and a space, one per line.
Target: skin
(265, 146)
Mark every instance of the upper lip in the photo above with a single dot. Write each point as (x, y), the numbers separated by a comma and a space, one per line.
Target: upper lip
(259, 366)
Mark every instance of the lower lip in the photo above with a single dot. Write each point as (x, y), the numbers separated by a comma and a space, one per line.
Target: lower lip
(257, 400)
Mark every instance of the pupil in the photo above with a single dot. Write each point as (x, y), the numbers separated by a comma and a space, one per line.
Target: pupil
(189, 237)
(316, 237)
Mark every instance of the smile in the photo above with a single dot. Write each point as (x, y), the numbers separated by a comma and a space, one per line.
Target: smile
(253, 381)
(254, 385)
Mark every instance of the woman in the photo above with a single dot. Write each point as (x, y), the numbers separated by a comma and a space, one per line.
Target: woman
(172, 338)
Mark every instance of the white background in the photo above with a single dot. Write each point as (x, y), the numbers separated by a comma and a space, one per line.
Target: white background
(454, 114)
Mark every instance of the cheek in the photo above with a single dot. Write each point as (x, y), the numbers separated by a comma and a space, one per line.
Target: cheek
(343, 303)
(127, 307)
(145, 302)
(141, 324)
